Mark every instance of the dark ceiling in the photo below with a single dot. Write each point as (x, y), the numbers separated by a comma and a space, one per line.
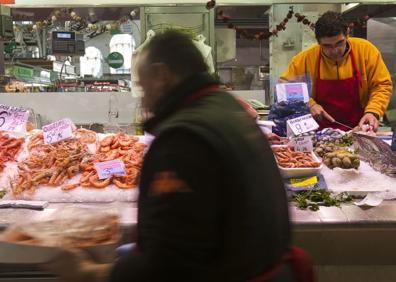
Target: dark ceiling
(372, 10)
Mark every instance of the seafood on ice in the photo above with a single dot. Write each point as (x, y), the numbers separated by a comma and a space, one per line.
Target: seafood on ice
(376, 152)
(69, 164)
(9, 148)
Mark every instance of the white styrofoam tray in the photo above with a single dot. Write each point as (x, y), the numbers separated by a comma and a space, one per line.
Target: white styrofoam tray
(301, 172)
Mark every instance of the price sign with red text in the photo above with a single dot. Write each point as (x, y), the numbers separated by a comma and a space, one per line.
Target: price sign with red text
(108, 168)
(57, 131)
(13, 118)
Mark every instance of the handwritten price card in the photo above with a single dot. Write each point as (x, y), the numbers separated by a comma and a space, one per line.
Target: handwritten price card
(13, 118)
(108, 168)
(303, 144)
(58, 131)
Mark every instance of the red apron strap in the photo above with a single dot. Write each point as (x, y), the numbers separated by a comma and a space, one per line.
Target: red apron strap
(320, 58)
(355, 70)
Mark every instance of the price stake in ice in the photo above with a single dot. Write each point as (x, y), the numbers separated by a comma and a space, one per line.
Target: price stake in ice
(303, 144)
(13, 118)
(57, 131)
(108, 168)
(300, 125)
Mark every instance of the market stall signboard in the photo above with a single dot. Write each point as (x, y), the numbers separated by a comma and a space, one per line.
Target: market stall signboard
(13, 118)
(57, 131)
(108, 168)
(23, 72)
(115, 60)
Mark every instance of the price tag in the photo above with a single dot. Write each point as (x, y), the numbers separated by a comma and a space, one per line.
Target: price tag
(302, 182)
(58, 131)
(393, 144)
(303, 144)
(300, 125)
(108, 168)
(13, 118)
(292, 92)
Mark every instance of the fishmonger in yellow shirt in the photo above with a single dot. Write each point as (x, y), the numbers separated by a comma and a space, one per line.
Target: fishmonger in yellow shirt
(351, 83)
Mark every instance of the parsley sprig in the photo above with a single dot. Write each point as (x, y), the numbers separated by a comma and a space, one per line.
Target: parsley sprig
(312, 199)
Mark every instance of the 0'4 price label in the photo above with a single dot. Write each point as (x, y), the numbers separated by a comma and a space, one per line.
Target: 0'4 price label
(57, 131)
(13, 118)
(108, 168)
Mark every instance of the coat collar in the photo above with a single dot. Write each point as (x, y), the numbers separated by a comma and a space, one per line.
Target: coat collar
(173, 100)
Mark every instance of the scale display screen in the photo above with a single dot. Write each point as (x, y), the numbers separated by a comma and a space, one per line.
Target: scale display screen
(63, 35)
(65, 43)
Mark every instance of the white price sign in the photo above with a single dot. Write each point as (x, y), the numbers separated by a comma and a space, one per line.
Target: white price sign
(108, 168)
(13, 118)
(303, 144)
(300, 125)
(57, 131)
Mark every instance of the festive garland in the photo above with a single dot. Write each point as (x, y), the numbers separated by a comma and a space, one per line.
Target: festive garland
(265, 35)
(360, 22)
(79, 23)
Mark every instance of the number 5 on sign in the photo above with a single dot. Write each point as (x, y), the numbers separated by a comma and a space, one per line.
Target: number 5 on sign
(57, 131)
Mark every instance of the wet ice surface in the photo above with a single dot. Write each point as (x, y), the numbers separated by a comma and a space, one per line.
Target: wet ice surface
(365, 179)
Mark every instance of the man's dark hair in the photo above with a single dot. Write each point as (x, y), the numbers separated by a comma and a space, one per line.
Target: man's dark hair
(330, 24)
(177, 51)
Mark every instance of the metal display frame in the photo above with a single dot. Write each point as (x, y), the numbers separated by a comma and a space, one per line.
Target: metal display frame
(208, 20)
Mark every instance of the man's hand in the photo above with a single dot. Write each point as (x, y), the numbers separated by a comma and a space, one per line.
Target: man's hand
(318, 113)
(369, 122)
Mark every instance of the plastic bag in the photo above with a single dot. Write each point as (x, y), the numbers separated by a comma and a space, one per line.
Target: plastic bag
(283, 111)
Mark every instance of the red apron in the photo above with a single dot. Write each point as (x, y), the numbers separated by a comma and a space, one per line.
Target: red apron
(340, 98)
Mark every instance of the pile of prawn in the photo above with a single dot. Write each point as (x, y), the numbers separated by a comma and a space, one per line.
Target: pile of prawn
(120, 146)
(289, 158)
(56, 164)
(9, 148)
(48, 164)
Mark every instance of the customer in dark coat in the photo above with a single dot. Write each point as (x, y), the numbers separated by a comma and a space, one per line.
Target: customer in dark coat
(212, 206)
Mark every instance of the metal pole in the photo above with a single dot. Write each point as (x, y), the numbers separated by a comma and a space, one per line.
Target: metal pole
(2, 61)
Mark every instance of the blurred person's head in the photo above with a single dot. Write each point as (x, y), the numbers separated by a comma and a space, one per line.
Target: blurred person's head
(331, 32)
(167, 60)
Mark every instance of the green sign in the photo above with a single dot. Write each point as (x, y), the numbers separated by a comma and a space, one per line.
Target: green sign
(115, 60)
(23, 72)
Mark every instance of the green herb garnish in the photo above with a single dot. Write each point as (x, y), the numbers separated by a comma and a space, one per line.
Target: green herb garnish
(312, 199)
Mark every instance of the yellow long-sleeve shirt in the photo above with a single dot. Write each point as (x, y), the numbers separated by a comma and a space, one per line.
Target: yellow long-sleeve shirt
(376, 87)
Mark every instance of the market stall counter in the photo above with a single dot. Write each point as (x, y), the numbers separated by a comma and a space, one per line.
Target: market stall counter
(348, 236)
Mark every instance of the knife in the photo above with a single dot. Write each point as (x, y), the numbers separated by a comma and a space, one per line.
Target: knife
(334, 121)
